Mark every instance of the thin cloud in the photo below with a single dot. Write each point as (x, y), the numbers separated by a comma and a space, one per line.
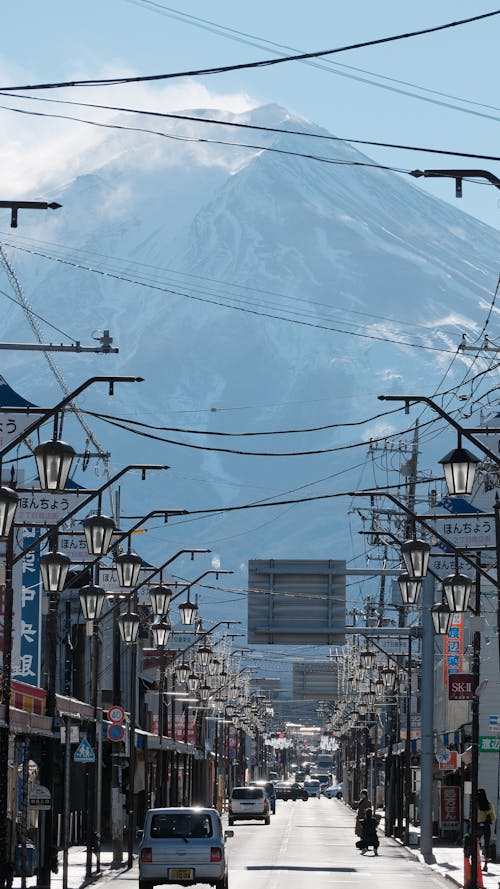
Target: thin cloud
(38, 154)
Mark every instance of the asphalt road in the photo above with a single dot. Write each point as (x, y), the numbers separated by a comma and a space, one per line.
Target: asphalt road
(314, 840)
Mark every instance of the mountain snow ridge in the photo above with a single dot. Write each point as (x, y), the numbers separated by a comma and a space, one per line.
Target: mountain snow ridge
(271, 235)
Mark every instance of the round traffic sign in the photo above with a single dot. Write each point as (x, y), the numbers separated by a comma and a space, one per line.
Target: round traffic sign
(116, 732)
(116, 713)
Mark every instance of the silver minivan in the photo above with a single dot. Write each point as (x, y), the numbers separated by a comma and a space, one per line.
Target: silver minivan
(249, 802)
(183, 845)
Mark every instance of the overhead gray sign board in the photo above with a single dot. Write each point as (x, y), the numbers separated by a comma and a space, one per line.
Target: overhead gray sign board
(315, 681)
(296, 602)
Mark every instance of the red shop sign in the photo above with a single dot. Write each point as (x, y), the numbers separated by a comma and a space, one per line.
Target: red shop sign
(460, 686)
(449, 809)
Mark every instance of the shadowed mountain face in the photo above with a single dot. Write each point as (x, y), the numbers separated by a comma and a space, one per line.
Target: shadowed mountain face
(254, 291)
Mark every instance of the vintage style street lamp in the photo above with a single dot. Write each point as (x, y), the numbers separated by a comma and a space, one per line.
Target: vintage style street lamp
(54, 567)
(187, 612)
(128, 566)
(416, 557)
(91, 601)
(8, 506)
(160, 597)
(160, 632)
(457, 589)
(410, 588)
(98, 530)
(459, 470)
(53, 460)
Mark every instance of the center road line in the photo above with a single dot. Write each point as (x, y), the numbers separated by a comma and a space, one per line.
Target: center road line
(283, 848)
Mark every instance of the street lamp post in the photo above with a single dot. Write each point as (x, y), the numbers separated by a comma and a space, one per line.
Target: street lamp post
(461, 482)
(474, 771)
(53, 461)
(91, 601)
(459, 466)
(129, 627)
(161, 632)
(165, 592)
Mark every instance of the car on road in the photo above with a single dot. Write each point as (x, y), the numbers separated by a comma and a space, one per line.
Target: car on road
(247, 803)
(183, 845)
(324, 779)
(294, 791)
(313, 787)
(270, 792)
(334, 791)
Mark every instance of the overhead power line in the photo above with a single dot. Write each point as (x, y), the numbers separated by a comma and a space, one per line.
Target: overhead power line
(178, 138)
(345, 425)
(337, 69)
(263, 63)
(123, 424)
(218, 302)
(192, 118)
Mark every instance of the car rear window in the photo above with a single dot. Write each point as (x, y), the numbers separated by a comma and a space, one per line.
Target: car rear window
(170, 826)
(268, 786)
(247, 793)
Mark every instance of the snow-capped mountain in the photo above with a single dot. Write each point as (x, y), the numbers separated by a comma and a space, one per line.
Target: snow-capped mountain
(253, 290)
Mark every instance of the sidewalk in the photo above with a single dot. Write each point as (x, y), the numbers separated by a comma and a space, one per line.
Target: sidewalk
(77, 859)
(449, 860)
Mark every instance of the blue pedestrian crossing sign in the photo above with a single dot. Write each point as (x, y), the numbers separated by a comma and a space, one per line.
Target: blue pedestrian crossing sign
(84, 752)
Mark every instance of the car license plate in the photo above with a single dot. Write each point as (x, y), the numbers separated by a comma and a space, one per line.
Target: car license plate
(181, 873)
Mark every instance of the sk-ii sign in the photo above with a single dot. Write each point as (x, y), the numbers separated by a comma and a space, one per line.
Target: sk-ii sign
(26, 655)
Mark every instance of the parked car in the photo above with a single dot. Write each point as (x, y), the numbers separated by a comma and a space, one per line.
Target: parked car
(249, 803)
(313, 788)
(270, 792)
(183, 845)
(334, 791)
(295, 791)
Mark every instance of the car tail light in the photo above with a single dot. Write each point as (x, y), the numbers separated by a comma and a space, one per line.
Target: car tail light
(215, 854)
(266, 806)
(147, 854)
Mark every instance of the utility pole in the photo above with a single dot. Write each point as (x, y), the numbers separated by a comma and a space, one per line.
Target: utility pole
(105, 348)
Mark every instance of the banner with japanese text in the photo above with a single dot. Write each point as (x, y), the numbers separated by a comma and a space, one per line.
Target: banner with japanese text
(26, 653)
(453, 648)
(185, 730)
(449, 808)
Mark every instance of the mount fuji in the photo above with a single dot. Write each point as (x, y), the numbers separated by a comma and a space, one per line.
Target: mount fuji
(254, 290)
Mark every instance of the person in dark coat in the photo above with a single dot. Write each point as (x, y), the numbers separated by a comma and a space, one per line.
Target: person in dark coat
(368, 833)
(361, 806)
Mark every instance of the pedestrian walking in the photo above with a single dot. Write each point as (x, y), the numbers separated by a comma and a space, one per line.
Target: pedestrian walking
(361, 807)
(369, 833)
(485, 818)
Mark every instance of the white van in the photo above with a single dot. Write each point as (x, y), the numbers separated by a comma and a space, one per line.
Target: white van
(183, 845)
(313, 787)
(247, 803)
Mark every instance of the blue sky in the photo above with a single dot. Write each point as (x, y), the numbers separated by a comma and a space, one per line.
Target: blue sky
(60, 40)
